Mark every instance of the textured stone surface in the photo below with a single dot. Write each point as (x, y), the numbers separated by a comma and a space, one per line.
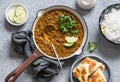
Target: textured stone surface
(9, 59)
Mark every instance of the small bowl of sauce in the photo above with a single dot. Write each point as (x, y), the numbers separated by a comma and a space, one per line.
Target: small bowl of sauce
(86, 4)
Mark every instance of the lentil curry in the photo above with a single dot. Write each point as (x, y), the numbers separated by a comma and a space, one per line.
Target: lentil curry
(54, 35)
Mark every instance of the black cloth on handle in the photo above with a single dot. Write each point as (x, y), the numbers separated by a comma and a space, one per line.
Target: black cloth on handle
(44, 67)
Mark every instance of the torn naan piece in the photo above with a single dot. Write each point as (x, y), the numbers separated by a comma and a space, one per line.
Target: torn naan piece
(88, 68)
(97, 76)
(102, 67)
(81, 72)
(93, 64)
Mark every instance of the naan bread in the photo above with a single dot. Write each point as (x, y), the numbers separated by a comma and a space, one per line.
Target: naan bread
(97, 76)
(102, 67)
(81, 72)
(93, 64)
(89, 70)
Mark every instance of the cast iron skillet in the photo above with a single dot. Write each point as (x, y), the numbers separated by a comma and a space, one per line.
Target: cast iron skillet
(38, 52)
(105, 11)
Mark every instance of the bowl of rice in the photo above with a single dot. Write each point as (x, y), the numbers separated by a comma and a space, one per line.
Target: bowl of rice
(109, 23)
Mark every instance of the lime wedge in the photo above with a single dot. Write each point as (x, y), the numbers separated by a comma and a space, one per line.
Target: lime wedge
(20, 14)
(19, 11)
(67, 44)
(19, 19)
(103, 29)
(71, 39)
(11, 15)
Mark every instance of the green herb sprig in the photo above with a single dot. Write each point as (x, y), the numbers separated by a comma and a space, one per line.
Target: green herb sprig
(92, 46)
(67, 25)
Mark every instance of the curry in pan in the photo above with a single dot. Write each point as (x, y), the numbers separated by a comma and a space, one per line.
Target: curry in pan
(63, 29)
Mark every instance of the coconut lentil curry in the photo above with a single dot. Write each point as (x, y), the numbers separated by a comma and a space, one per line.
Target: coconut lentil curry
(55, 35)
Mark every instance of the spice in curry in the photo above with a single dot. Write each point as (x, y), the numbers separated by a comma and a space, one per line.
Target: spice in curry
(55, 35)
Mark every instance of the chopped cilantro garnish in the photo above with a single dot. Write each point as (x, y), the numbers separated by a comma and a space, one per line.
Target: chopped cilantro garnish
(73, 32)
(67, 25)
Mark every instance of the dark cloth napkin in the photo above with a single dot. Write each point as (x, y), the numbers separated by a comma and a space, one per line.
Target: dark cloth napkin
(44, 67)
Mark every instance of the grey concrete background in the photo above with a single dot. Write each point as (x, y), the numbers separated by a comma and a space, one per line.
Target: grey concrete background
(9, 59)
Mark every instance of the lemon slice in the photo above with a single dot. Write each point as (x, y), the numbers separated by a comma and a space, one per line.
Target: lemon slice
(19, 19)
(20, 14)
(103, 28)
(20, 11)
(67, 44)
(71, 39)
(11, 15)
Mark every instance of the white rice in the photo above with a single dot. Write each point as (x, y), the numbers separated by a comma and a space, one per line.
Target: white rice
(111, 25)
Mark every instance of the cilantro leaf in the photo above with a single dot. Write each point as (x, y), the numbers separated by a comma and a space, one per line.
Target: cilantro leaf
(73, 32)
(92, 46)
(61, 27)
(65, 30)
(67, 25)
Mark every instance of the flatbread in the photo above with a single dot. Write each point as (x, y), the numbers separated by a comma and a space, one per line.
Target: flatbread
(102, 67)
(93, 64)
(81, 72)
(97, 76)
(89, 70)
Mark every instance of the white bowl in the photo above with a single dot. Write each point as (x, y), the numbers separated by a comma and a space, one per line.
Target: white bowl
(12, 6)
(79, 17)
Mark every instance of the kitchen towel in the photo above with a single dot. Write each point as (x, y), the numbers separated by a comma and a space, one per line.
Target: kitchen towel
(44, 68)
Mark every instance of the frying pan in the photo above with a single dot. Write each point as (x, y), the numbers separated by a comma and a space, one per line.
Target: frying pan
(38, 52)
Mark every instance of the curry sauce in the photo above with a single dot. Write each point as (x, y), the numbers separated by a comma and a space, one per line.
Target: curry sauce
(54, 35)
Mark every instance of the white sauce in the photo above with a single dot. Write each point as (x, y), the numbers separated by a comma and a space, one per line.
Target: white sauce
(86, 4)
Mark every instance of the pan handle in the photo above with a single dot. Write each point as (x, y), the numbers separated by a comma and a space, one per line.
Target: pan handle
(15, 73)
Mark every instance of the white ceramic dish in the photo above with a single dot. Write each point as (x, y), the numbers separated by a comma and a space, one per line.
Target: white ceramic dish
(107, 71)
(43, 11)
(13, 6)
